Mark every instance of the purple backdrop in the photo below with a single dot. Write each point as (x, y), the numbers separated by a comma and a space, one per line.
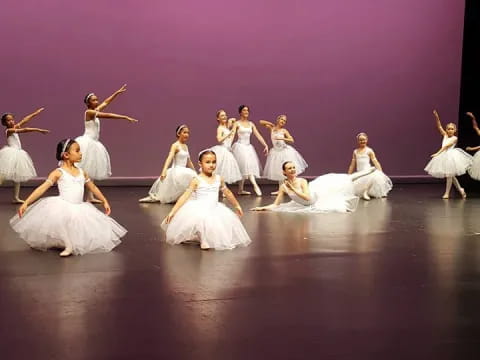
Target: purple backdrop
(334, 67)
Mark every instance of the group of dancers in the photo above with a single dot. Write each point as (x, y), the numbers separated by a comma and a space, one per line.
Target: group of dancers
(77, 227)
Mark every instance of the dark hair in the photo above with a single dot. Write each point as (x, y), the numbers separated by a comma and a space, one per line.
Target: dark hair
(206, 152)
(220, 111)
(4, 118)
(241, 107)
(87, 97)
(284, 165)
(61, 148)
(179, 129)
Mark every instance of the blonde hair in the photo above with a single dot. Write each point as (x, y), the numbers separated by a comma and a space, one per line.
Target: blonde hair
(454, 126)
(280, 116)
(362, 134)
(220, 111)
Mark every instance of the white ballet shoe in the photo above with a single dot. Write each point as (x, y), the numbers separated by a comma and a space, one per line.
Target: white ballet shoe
(243, 192)
(66, 252)
(463, 193)
(257, 190)
(274, 193)
(365, 196)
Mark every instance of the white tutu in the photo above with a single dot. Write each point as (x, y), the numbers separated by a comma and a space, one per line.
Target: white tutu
(95, 158)
(329, 193)
(16, 164)
(474, 171)
(380, 184)
(452, 162)
(173, 186)
(227, 166)
(247, 159)
(277, 156)
(52, 220)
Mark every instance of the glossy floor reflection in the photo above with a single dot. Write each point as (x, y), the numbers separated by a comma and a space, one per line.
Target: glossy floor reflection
(398, 279)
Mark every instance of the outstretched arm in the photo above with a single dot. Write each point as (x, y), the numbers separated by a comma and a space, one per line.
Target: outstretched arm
(353, 164)
(29, 117)
(474, 123)
(374, 160)
(439, 124)
(269, 125)
(26, 130)
(90, 115)
(231, 198)
(39, 191)
(168, 161)
(260, 138)
(90, 185)
(472, 148)
(278, 201)
(182, 200)
(108, 100)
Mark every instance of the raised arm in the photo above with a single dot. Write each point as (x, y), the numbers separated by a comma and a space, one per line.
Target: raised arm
(168, 161)
(90, 115)
(269, 125)
(474, 123)
(26, 130)
(90, 185)
(182, 200)
(231, 198)
(374, 160)
(108, 100)
(29, 117)
(439, 124)
(39, 191)
(260, 138)
(353, 164)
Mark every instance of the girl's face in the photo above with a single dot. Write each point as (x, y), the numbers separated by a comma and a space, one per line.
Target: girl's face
(290, 170)
(451, 130)
(93, 102)
(245, 112)
(222, 118)
(73, 154)
(208, 164)
(184, 134)
(9, 121)
(281, 121)
(362, 141)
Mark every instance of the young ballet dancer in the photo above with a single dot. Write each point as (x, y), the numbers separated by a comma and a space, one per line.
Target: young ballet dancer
(474, 170)
(281, 151)
(66, 221)
(96, 160)
(245, 153)
(327, 193)
(227, 166)
(449, 161)
(377, 184)
(199, 216)
(173, 181)
(15, 163)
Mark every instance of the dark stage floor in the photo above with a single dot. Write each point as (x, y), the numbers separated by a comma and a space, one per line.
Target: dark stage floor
(398, 279)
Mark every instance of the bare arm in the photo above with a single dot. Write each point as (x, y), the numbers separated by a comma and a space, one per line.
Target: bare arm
(374, 160)
(39, 191)
(439, 124)
(269, 125)
(26, 130)
(446, 147)
(220, 137)
(260, 138)
(168, 161)
(190, 164)
(304, 191)
(278, 201)
(287, 137)
(474, 123)
(472, 148)
(353, 164)
(108, 100)
(90, 185)
(182, 200)
(231, 198)
(90, 115)
(29, 117)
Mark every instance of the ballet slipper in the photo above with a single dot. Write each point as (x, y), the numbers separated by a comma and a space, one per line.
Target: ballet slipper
(274, 193)
(365, 196)
(463, 193)
(257, 190)
(147, 199)
(66, 252)
(243, 192)
(445, 197)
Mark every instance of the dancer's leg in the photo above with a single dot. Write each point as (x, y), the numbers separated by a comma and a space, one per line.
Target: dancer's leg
(448, 186)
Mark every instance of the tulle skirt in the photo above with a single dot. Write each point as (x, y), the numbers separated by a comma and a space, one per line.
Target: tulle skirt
(378, 184)
(227, 166)
(247, 159)
(210, 223)
(453, 162)
(95, 158)
(329, 193)
(52, 220)
(276, 158)
(474, 171)
(16, 165)
(173, 186)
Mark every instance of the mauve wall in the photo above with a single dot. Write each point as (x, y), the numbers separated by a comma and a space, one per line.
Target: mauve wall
(336, 67)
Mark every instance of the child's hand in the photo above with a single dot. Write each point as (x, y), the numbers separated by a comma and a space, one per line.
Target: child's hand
(38, 111)
(122, 89)
(163, 176)
(258, 208)
(470, 114)
(289, 185)
(107, 208)
(265, 150)
(132, 120)
(44, 132)
(435, 112)
(169, 218)
(239, 211)
(22, 209)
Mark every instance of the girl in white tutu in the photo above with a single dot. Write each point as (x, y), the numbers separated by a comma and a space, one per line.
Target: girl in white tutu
(227, 166)
(96, 160)
(66, 221)
(474, 170)
(173, 181)
(449, 162)
(199, 216)
(15, 163)
(327, 193)
(245, 153)
(281, 151)
(377, 184)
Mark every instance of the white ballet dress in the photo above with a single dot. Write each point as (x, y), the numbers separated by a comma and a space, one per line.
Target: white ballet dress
(95, 157)
(15, 163)
(328, 193)
(474, 170)
(227, 166)
(245, 153)
(279, 154)
(378, 184)
(206, 220)
(176, 181)
(451, 162)
(51, 221)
